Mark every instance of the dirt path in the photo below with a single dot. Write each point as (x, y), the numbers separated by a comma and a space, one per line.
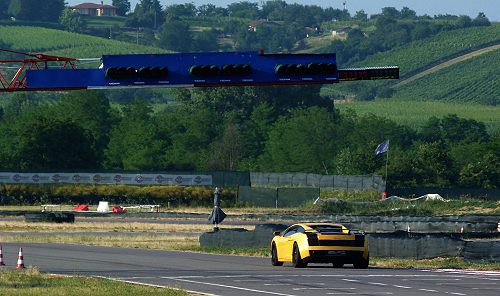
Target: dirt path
(448, 63)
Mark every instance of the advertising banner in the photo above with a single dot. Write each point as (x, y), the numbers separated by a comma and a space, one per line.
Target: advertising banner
(105, 178)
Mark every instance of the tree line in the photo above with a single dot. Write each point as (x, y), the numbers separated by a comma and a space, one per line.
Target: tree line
(261, 129)
(170, 27)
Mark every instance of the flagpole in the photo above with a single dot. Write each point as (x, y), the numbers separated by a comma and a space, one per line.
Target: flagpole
(386, 162)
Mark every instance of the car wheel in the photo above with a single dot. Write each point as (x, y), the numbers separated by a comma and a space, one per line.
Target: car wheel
(362, 263)
(274, 257)
(296, 260)
(338, 264)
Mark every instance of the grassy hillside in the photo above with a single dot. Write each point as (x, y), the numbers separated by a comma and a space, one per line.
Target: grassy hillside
(55, 42)
(422, 54)
(472, 80)
(458, 89)
(415, 113)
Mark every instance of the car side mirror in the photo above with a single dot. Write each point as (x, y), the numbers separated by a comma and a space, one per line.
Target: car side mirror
(277, 233)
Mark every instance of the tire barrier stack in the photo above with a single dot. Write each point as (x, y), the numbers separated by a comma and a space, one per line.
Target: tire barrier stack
(482, 251)
(239, 237)
(58, 217)
(417, 246)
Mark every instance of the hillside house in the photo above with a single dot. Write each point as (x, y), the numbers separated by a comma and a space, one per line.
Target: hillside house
(252, 26)
(341, 31)
(93, 9)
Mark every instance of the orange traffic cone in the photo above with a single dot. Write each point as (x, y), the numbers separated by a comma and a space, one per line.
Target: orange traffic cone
(462, 229)
(20, 260)
(408, 229)
(1, 256)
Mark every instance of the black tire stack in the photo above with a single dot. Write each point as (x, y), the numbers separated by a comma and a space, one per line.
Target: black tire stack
(58, 217)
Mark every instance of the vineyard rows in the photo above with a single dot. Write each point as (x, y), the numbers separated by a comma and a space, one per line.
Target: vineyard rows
(471, 80)
(422, 54)
(419, 54)
(56, 42)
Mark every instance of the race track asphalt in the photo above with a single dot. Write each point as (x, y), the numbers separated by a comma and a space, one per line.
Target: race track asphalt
(242, 275)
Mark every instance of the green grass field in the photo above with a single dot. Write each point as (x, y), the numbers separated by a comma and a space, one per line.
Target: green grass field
(105, 21)
(32, 282)
(415, 113)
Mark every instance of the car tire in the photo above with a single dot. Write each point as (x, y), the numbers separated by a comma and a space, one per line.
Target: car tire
(296, 260)
(338, 265)
(274, 256)
(362, 263)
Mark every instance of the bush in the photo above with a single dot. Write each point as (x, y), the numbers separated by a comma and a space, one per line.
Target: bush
(130, 194)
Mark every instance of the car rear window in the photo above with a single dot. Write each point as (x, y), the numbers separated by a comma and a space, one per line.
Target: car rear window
(326, 228)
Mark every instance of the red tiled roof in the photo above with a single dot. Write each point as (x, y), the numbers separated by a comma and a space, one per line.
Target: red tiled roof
(256, 23)
(88, 5)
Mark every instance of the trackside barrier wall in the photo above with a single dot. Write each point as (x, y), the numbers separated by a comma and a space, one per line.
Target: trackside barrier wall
(344, 182)
(279, 197)
(424, 227)
(482, 251)
(420, 247)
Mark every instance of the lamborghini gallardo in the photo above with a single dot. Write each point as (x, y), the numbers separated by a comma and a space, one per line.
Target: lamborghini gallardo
(319, 243)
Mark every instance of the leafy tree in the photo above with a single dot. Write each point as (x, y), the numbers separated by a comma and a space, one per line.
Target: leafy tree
(123, 6)
(290, 141)
(4, 6)
(91, 111)
(227, 151)
(463, 21)
(482, 174)
(147, 13)
(187, 9)
(436, 164)
(175, 35)
(134, 143)
(282, 99)
(212, 10)
(390, 12)
(206, 41)
(35, 10)
(303, 15)
(361, 16)
(256, 132)
(233, 26)
(274, 10)
(73, 21)
(421, 31)
(188, 136)
(431, 130)
(331, 14)
(51, 143)
(21, 102)
(481, 20)
(244, 9)
(404, 172)
(455, 129)
(407, 13)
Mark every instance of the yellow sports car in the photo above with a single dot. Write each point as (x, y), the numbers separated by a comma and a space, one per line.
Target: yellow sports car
(319, 243)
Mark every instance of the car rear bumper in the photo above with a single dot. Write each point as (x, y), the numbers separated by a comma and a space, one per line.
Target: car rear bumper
(346, 257)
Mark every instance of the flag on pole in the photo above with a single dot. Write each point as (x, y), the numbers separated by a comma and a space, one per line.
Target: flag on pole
(384, 147)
